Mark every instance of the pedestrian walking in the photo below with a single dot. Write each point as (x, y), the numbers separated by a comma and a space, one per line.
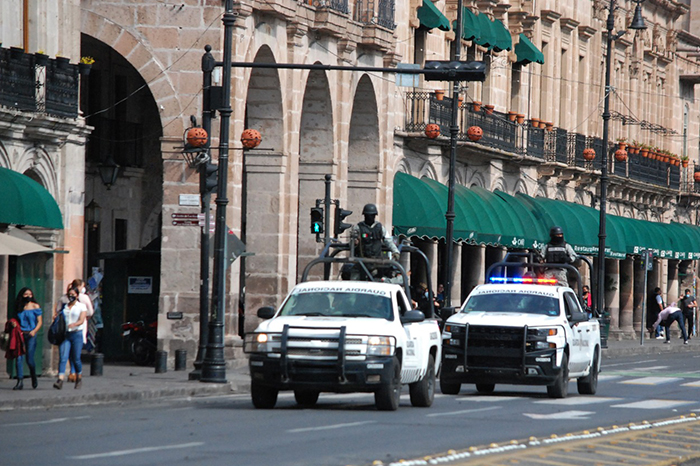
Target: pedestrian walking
(655, 304)
(30, 318)
(668, 316)
(688, 305)
(558, 251)
(85, 300)
(75, 314)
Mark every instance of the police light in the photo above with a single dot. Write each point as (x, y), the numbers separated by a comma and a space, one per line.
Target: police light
(338, 225)
(454, 71)
(524, 280)
(317, 220)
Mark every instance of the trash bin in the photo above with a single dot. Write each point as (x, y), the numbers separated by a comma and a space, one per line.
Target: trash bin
(604, 321)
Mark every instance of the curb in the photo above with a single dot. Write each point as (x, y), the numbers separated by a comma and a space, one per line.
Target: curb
(678, 347)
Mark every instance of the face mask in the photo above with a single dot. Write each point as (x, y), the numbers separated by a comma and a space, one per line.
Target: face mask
(71, 298)
(26, 299)
(82, 290)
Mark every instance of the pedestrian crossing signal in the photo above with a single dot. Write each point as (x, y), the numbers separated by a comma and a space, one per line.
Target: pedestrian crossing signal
(317, 220)
(338, 225)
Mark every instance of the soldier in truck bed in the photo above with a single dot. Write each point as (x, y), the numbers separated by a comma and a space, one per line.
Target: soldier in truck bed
(558, 251)
(369, 236)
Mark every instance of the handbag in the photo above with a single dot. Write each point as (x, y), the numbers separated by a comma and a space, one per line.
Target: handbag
(4, 341)
(57, 330)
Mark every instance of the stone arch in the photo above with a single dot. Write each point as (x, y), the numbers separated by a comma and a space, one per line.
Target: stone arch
(37, 164)
(500, 185)
(316, 150)
(560, 195)
(520, 187)
(477, 179)
(428, 171)
(578, 198)
(363, 145)
(144, 60)
(402, 166)
(541, 191)
(4, 156)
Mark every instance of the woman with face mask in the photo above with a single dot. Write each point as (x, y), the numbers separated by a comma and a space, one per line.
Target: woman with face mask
(75, 314)
(82, 298)
(29, 315)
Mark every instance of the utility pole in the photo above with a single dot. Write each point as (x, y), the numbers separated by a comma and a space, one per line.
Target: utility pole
(214, 364)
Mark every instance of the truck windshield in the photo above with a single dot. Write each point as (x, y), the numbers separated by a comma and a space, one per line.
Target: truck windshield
(336, 304)
(513, 302)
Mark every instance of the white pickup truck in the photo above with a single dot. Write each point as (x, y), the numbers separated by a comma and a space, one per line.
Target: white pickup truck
(517, 331)
(345, 336)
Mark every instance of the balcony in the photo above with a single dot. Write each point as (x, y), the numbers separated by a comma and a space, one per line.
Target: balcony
(30, 85)
(555, 145)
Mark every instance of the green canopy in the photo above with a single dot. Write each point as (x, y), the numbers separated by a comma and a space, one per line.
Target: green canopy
(26, 202)
(430, 17)
(526, 52)
(503, 39)
(470, 25)
(487, 38)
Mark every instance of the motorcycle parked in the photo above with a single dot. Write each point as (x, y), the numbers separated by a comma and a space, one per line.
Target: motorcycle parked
(141, 341)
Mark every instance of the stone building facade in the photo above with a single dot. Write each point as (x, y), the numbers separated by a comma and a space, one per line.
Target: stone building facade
(359, 127)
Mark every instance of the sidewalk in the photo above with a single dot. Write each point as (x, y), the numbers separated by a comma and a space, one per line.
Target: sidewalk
(122, 382)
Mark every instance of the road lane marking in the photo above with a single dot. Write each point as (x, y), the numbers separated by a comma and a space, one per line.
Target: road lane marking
(561, 415)
(487, 398)
(653, 404)
(134, 451)
(334, 426)
(691, 384)
(47, 421)
(580, 400)
(651, 380)
(606, 365)
(464, 411)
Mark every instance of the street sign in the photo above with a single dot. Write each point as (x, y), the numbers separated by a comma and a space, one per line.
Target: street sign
(185, 216)
(186, 222)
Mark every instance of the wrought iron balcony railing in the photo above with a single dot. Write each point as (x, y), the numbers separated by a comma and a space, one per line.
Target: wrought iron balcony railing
(551, 145)
(340, 6)
(32, 85)
(383, 15)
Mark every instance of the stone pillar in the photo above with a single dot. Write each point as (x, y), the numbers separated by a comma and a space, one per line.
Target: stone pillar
(456, 291)
(626, 298)
(612, 293)
(473, 267)
(431, 251)
(672, 286)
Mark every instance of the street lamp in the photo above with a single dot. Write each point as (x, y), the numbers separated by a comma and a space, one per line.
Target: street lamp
(637, 24)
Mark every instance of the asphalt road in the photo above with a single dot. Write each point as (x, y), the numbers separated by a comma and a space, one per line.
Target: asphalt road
(343, 429)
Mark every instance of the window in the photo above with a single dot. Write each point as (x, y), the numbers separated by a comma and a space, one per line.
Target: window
(120, 234)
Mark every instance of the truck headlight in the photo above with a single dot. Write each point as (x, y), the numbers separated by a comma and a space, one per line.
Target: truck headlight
(380, 346)
(260, 342)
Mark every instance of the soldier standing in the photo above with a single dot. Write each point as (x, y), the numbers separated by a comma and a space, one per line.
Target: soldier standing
(369, 236)
(558, 251)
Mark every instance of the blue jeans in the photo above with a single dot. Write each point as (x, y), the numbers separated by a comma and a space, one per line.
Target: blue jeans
(674, 317)
(30, 343)
(71, 348)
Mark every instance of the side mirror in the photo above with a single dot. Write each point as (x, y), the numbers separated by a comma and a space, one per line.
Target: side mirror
(446, 312)
(411, 317)
(578, 317)
(266, 312)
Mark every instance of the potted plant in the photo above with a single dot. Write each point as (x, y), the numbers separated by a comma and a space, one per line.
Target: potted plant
(439, 94)
(512, 115)
(85, 65)
(684, 161)
(62, 62)
(549, 126)
(489, 109)
(535, 122)
(476, 105)
(622, 143)
(644, 150)
(520, 118)
(40, 58)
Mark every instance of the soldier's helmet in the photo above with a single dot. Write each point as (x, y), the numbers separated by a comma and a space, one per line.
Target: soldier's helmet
(370, 209)
(556, 231)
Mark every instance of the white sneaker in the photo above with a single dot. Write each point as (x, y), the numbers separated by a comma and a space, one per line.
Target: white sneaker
(659, 337)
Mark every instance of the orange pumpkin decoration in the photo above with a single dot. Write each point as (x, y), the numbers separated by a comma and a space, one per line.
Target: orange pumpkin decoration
(589, 154)
(251, 138)
(620, 155)
(474, 133)
(432, 130)
(696, 176)
(197, 137)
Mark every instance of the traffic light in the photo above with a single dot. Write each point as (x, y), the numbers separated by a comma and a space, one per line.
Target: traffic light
(317, 220)
(338, 225)
(454, 71)
(211, 177)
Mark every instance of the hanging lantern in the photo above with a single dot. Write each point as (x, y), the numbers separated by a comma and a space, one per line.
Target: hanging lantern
(588, 154)
(620, 155)
(474, 133)
(197, 137)
(251, 138)
(432, 130)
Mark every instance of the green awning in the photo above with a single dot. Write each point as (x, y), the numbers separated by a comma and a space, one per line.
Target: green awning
(470, 25)
(526, 52)
(487, 38)
(503, 39)
(26, 202)
(430, 17)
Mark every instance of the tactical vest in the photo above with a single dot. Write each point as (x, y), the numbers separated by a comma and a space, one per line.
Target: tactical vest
(556, 254)
(371, 239)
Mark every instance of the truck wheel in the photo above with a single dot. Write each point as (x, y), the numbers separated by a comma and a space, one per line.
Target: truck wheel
(449, 388)
(263, 397)
(485, 388)
(589, 385)
(306, 397)
(560, 388)
(387, 397)
(423, 391)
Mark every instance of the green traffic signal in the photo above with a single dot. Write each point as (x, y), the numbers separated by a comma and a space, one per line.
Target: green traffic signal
(316, 220)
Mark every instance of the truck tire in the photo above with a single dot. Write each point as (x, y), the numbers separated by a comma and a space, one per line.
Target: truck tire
(387, 397)
(306, 397)
(263, 397)
(423, 391)
(560, 388)
(589, 385)
(485, 388)
(449, 388)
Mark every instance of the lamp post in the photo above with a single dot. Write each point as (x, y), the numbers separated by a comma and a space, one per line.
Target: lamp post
(637, 24)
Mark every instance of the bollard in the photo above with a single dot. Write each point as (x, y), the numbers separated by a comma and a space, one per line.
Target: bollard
(96, 364)
(161, 362)
(180, 360)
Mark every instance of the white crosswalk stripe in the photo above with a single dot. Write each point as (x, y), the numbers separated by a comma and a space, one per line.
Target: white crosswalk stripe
(653, 404)
(651, 380)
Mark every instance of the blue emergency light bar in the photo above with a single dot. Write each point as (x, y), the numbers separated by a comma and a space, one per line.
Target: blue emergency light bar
(524, 280)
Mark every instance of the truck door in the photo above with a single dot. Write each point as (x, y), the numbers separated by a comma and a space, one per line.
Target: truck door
(579, 354)
(410, 368)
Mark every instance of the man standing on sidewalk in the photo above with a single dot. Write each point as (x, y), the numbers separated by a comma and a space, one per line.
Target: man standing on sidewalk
(667, 317)
(688, 306)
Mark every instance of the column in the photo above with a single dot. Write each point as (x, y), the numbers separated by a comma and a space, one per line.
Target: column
(612, 293)
(456, 291)
(626, 297)
(473, 267)
(672, 282)
(431, 252)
